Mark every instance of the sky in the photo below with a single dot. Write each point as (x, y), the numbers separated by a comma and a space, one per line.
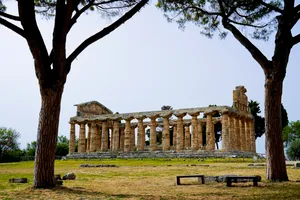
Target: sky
(144, 64)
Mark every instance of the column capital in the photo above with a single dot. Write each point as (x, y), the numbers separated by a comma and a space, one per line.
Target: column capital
(72, 122)
(129, 118)
(209, 112)
(194, 114)
(141, 118)
(166, 116)
(181, 115)
(154, 117)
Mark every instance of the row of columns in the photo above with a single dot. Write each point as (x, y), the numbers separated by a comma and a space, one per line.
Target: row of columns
(237, 134)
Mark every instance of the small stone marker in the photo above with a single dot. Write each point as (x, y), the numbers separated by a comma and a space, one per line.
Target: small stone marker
(69, 176)
(102, 165)
(18, 180)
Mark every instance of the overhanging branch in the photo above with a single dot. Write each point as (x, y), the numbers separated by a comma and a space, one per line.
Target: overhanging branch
(271, 7)
(105, 31)
(296, 39)
(255, 52)
(12, 27)
(9, 16)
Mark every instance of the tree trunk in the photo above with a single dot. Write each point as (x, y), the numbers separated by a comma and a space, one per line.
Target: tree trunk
(47, 137)
(276, 168)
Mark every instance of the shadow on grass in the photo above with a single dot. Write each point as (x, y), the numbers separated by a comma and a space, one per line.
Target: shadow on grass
(85, 192)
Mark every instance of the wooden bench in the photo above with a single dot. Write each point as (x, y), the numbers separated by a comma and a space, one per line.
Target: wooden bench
(235, 179)
(200, 177)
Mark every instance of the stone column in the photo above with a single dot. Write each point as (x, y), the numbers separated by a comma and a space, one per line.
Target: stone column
(195, 142)
(116, 135)
(200, 135)
(174, 135)
(132, 137)
(93, 132)
(225, 132)
(127, 140)
(72, 138)
(104, 137)
(180, 133)
(166, 133)
(237, 133)
(210, 135)
(242, 134)
(81, 140)
(232, 135)
(153, 133)
(110, 134)
(122, 138)
(88, 145)
(98, 137)
(187, 136)
(141, 135)
(249, 135)
(252, 136)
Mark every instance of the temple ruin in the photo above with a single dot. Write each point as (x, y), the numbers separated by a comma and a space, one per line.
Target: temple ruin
(102, 131)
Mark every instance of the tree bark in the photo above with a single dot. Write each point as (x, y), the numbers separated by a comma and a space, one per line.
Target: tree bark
(47, 137)
(276, 167)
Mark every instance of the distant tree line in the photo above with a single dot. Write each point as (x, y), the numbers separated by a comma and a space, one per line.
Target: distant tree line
(10, 150)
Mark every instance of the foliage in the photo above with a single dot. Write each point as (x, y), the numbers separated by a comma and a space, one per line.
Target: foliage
(30, 149)
(166, 107)
(291, 132)
(293, 150)
(260, 121)
(8, 141)
(211, 15)
(62, 147)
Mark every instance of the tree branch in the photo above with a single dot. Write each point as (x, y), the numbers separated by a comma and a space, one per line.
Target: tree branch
(296, 40)
(105, 31)
(255, 52)
(12, 27)
(34, 39)
(249, 25)
(79, 13)
(271, 7)
(297, 8)
(12, 17)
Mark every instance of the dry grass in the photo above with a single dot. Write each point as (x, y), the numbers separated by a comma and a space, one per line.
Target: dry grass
(146, 179)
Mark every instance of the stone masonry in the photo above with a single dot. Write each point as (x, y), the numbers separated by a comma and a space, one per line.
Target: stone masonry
(102, 131)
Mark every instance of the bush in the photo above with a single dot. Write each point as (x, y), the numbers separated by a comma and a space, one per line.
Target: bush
(12, 156)
(293, 150)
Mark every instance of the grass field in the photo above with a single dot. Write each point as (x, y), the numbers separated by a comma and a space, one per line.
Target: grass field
(147, 179)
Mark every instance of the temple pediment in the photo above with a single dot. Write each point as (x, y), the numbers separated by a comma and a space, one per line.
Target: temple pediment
(91, 108)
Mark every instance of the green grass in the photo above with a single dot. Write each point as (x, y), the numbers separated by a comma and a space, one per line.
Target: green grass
(147, 179)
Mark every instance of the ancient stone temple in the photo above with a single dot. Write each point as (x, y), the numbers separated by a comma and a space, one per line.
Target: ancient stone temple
(183, 130)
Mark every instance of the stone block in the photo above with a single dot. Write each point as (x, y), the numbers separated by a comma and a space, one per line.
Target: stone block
(18, 180)
(297, 164)
(69, 176)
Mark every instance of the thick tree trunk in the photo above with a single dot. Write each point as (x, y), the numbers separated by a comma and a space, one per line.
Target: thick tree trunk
(47, 137)
(276, 168)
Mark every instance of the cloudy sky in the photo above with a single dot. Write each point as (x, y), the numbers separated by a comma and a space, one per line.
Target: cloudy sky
(144, 64)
